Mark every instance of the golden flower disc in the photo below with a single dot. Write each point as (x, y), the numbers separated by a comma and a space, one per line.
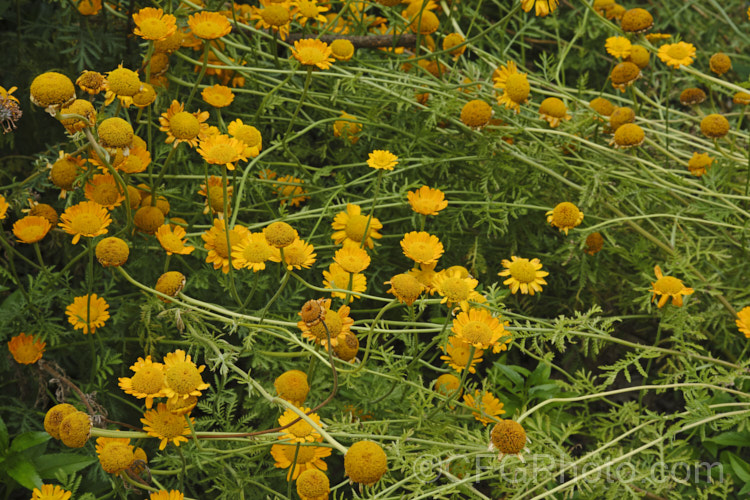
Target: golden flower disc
(184, 125)
(621, 116)
(629, 135)
(508, 437)
(75, 429)
(313, 484)
(714, 126)
(691, 96)
(52, 89)
(347, 347)
(602, 106)
(447, 383)
(54, 417)
(342, 49)
(46, 211)
(476, 113)
(276, 15)
(64, 171)
(123, 82)
(637, 20)
(365, 462)
(292, 386)
(148, 219)
(517, 87)
(183, 377)
(114, 456)
(523, 271)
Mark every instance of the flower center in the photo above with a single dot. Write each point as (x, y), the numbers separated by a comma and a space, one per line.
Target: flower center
(308, 9)
(184, 125)
(522, 271)
(275, 15)
(333, 322)
(256, 252)
(154, 28)
(300, 429)
(565, 214)
(517, 87)
(223, 153)
(668, 285)
(421, 251)
(455, 289)
(86, 224)
(148, 380)
(355, 227)
(677, 51)
(124, 82)
(476, 332)
(460, 354)
(220, 243)
(304, 455)
(26, 352)
(183, 377)
(311, 55)
(31, 233)
(105, 194)
(249, 135)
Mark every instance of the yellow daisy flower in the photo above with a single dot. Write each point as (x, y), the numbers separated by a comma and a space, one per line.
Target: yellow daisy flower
(253, 252)
(172, 240)
(216, 243)
(515, 86)
(668, 286)
(525, 275)
(222, 150)
(542, 7)
(554, 111)
(182, 378)
(743, 321)
(699, 163)
(564, 216)
(50, 492)
(405, 287)
(351, 224)
(87, 313)
(274, 16)
(677, 54)
(308, 457)
(312, 52)
(456, 289)
(209, 25)
(147, 381)
(338, 323)
(426, 275)
(218, 96)
(487, 406)
(382, 160)
(115, 454)
(26, 349)
(478, 327)
(618, 46)
(336, 277)
(153, 24)
(3, 207)
(457, 355)
(165, 425)
(85, 219)
(352, 258)
(422, 247)
(182, 126)
(167, 495)
(215, 196)
(290, 190)
(248, 135)
(301, 432)
(31, 228)
(347, 128)
(104, 190)
(298, 255)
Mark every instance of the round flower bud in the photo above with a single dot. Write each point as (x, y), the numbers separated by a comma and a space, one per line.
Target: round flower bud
(594, 243)
(55, 416)
(476, 113)
(46, 211)
(425, 24)
(52, 90)
(636, 20)
(280, 234)
(714, 126)
(365, 462)
(112, 252)
(115, 133)
(621, 116)
(447, 384)
(602, 106)
(170, 283)
(639, 56)
(123, 82)
(313, 484)
(508, 437)
(134, 196)
(406, 288)
(342, 49)
(292, 386)
(691, 96)
(161, 203)
(75, 429)
(720, 63)
(347, 347)
(64, 171)
(148, 219)
(628, 136)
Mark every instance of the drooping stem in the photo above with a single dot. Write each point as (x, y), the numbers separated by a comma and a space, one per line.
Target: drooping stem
(206, 51)
(308, 79)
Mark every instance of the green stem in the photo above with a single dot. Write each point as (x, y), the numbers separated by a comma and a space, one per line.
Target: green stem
(206, 50)
(89, 288)
(227, 234)
(666, 110)
(284, 281)
(452, 397)
(308, 79)
(366, 233)
(163, 171)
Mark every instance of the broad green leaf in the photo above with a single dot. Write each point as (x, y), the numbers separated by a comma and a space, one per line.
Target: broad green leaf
(29, 439)
(730, 439)
(49, 465)
(20, 469)
(540, 374)
(511, 373)
(3, 436)
(740, 468)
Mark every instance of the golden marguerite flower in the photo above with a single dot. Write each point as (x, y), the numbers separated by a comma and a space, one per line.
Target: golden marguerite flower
(172, 239)
(618, 46)
(52, 91)
(31, 228)
(426, 275)
(666, 287)
(253, 252)
(457, 355)
(165, 425)
(274, 16)
(115, 454)
(167, 495)
(292, 386)
(80, 107)
(624, 74)
(3, 207)
(405, 287)
(313, 484)
(215, 196)
(87, 218)
(628, 135)
(382, 160)
(743, 321)
(104, 190)
(447, 383)
(222, 150)
(298, 255)
(279, 234)
(476, 114)
(91, 82)
(699, 163)
(209, 25)
(337, 322)
(515, 86)
(301, 432)
(677, 54)
(478, 327)
(365, 462)
(636, 20)
(554, 111)
(341, 49)
(351, 225)
(26, 349)
(50, 492)
(182, 378)
(218, 96)
(508, 437)
(87, 313)
(487, 406)
(422, 247)
(182, 126)
(336, 278)
(456, 289)
(147, 381)
(216, 243)
(564, 216)
(122, 83)
(542, 7)
(692, 96)
(308, 457)
(309, 10)
(352, 258)
(594, 243)
(312, 52)
(714, 126)
(347, 127)
(525, 275)
(454, 42)
(289, 189)
(248, 135)
(153, 24)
